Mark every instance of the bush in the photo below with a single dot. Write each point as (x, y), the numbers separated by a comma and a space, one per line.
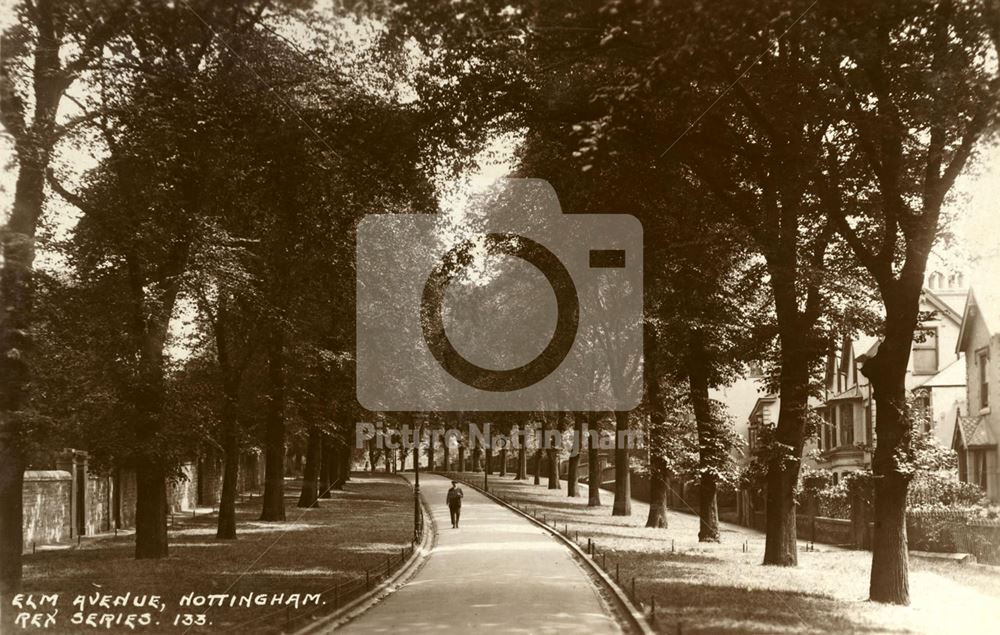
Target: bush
(834, 501)
(936, 490)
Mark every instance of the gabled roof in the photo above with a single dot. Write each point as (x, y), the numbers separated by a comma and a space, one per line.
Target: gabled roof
(768, 398)
(870, 351)
(980, 304)
(951, 375)
(851, 394)
(865, 345)
(938, 303)
(972, 432)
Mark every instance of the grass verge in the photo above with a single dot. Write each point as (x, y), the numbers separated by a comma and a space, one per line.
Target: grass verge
(722, 587)
(325, 550)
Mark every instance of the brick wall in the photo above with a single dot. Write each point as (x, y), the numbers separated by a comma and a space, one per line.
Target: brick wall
(830, 531)
(126, 498)
(48, 507)
(47, 513)
(251, 473)
(209, 480)
(182, 493)
(98, 515)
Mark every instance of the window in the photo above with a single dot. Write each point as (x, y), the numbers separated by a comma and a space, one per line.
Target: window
(925, 352)
(979, 469)
(922, 409)
(825, 434)
(847, 424)
(984, 379)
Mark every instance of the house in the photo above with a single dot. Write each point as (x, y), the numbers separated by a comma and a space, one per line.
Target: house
(763, 415)
(935, 376)
(976, 433)
(844, 440)
(740, 397)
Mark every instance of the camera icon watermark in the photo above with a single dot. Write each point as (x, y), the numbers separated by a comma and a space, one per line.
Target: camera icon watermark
(517, 308)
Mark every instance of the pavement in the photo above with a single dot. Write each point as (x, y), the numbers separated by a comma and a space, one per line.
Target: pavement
(498, 572)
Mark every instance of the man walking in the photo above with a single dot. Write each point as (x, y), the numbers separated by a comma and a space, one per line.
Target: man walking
(455, 503)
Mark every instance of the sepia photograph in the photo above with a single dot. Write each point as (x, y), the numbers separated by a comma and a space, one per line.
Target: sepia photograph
(631, 317)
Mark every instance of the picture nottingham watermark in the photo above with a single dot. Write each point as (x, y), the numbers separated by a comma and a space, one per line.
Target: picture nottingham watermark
(369, 436)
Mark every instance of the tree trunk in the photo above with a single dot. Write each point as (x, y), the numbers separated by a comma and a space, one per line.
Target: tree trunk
(430, 454)
(887, 371)
(503, 462)
(274, 434)
(623, 487)
(309, 496)
(33, 144)
(657, 516)
(231, 466)
(150, 509)
(708, 509)
(447, 457)
(347, 462)
(373, 454)
(890, 567)
(12, 466)
(337, 460)
(538, 456)
(326, 475)
(553, 465)
(573, 469)
(252, 472)
(709, 457)
(522, 463)
(780, 546)
(477, 453)
(593, 463)
(461, 458)
(552, 454)
(489, 460)
(344, 462)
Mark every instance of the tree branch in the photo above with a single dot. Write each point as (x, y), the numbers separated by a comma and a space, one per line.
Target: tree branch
(830, 197)
(12, 109)
(70, 197)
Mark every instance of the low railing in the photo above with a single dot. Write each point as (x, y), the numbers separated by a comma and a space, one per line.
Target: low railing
(342, 594)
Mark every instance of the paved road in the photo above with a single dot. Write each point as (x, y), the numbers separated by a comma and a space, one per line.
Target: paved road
(498, 572)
